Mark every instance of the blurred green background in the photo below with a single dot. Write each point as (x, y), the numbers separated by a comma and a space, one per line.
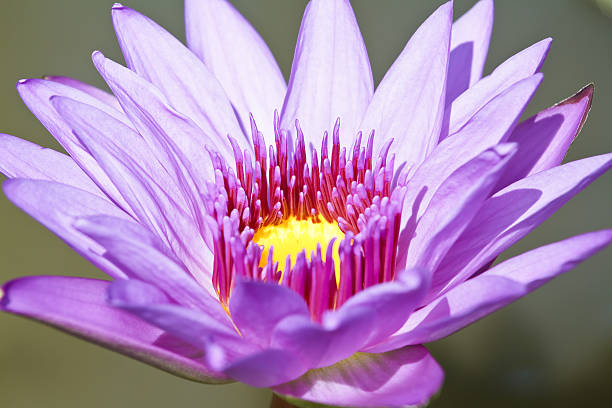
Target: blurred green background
(551, 349)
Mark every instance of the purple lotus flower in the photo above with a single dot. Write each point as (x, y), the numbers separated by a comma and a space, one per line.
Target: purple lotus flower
(308, 238)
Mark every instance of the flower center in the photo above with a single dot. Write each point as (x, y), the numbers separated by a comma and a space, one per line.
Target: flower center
(326, 227)
(293, 236)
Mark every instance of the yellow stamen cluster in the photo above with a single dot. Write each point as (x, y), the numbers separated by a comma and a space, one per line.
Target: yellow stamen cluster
(292, 236)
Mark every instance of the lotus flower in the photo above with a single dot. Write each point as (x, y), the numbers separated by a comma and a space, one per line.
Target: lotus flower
(306, 238)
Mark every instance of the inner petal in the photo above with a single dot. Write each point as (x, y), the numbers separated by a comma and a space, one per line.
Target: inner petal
(293, 236)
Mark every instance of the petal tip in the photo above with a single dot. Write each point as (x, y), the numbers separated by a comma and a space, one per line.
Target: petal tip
(545, 43)
(98, 58)
(446, 8)
(585, 92)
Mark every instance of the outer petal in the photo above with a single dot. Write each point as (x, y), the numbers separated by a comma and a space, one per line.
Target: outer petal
(91, 90)
(22, 159)
(364, 320)
(495, 289)
(199, 329)
(56, 205)
(452, 207)
(267, 368)
(511, 214)
(256, 307)
(37, 94)
(408, 105)
(330, 76)
(319, 345)
(177, 142)
(391, 303)
(239, 58)
(156, 55)
(78, 306)
(469, 46)
(518, 67)
(490, 126)
(167, 132)
(142, 256)
(404, 377)
(103, 136)
(156, 201)
(544, 138)
(226, 351)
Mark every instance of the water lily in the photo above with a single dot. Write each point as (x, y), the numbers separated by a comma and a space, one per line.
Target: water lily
(309, 237)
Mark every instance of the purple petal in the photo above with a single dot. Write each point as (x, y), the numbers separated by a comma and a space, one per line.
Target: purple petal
(408, 105)
(511, 214)
(178, 144)
(22, 159)
(495, 288)
(366, 319)
(518, 67)
(256, 307)
(141, 255)
(266, 368)
(338, 337)
(469, 47)
(544, 138)
(239, 58)
(453, 206)
(91, 90)
(156, 201)
(56, 205)
(490, 126)
(156, 55)
(78, 306)
(226, 351)
(331, 76)
(167, 132)
(404, 377)
(149, 303)
(390, 303)
(100, 133)
(36, 94)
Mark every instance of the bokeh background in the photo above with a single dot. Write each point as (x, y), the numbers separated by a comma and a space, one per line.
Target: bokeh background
(551, 349)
